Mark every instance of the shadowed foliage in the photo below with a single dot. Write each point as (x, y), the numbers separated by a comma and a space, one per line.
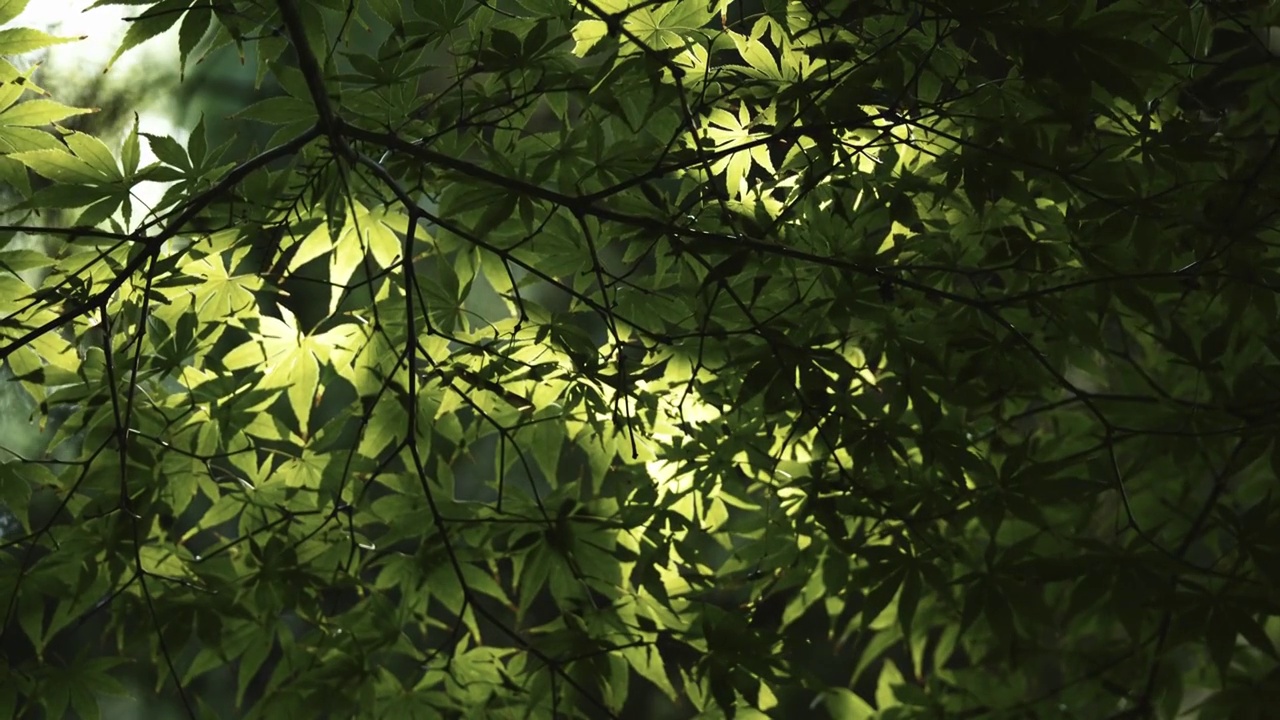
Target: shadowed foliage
(655, 358)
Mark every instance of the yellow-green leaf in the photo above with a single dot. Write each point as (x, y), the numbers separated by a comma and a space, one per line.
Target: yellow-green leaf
(16, 41)
(586, 34)
(130, 153)
(59, 166)
(843, 704)
(94, 152)
(305, 378)
(247, 355)
(756, 55)
(381, 234)
(39, 112)
(347, 256)
(647, 662)
(314, 245)
(14, 175)
(890, 677)
(10, 90)
(9, 75)
(10, 9)
(690, 16)
(21, 139)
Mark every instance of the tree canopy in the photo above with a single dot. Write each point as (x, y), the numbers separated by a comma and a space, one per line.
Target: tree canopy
(653, 358)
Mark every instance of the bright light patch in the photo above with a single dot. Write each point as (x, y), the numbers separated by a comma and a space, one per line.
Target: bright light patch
(69, 68)
(103, 27)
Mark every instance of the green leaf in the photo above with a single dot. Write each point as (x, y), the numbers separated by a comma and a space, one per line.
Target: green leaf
(890, 679)
(251, 661)
(17, 41)
(843, 704)
(505, 44)
(98, 212)
(60, 166)
(153, 21)
(720, 682)
(11, 88)
(15, 491)
(198, 144)
(587, 34)
(534, 576)
(547, 439)
(304, 372)
(168, 151)
(1255, 634)
(195, 25)
(36, 113)
(754, 52)
(130, 152)
(880, 597)
(94, 152)
(687, 16)
(10, 9)
(391, 11)
(18, 260)
(646, 660)
(279, 110)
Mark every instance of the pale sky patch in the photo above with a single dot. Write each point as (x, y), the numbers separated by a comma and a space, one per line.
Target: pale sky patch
(69, 67)
(104, 26)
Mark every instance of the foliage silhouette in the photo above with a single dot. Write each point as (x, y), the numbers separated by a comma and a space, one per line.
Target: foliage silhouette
(887, 359)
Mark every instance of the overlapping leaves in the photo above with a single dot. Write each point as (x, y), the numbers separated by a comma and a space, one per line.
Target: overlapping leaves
(843, 355)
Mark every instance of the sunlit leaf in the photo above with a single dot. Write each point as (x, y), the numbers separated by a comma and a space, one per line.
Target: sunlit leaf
(151, 22)
(16, 41)
(35, 113)
(60, 166)
(10, 9)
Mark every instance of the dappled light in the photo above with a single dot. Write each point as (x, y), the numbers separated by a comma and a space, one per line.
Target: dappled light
(644, 359)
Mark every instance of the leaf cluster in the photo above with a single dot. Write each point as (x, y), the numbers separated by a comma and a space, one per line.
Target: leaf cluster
(612, 358)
